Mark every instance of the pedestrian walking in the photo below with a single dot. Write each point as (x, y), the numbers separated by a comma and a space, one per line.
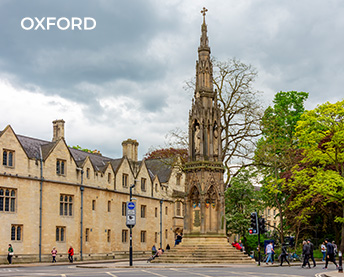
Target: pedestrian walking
(311, 250)
(306, 252)
(10, 254)
(329, 254)
(70, 254)
(269, 250)
(335, 248)
(323, 251)
(284, 255)
(53, 254)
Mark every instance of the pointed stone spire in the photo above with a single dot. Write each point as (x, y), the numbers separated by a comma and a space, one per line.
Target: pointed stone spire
(204, 67)
(204, 37)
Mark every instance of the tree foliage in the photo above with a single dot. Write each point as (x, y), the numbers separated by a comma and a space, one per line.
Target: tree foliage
(319, 178)
(276, 153)
(241, 199)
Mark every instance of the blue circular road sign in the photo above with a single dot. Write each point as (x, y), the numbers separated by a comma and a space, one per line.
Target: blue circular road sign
(131, 205)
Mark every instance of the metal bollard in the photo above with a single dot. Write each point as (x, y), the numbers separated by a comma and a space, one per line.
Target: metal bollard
(340, 267)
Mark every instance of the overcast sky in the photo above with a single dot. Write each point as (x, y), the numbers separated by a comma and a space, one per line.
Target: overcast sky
(125, 78)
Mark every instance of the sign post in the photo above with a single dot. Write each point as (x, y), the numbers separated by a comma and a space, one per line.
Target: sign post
(130, 222)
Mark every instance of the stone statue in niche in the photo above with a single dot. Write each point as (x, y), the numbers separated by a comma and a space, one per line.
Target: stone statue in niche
(216, 140)
(197, 139)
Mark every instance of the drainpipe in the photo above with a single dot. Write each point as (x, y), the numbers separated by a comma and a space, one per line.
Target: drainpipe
(81, 211)
(40, 205)
(161, 201)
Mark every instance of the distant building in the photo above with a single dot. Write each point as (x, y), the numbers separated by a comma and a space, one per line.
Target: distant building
(83, 199)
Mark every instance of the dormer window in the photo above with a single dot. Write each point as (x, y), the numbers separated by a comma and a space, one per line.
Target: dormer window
(8, 158)
(125, 180)
(143, 184)
(60, 167)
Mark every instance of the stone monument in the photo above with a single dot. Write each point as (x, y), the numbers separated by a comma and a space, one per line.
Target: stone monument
(204, 200)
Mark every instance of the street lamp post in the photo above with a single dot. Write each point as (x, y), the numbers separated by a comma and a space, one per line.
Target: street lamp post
(131, 231)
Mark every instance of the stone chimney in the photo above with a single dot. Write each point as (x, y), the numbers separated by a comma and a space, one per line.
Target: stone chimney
(130, 149)
(58, 129)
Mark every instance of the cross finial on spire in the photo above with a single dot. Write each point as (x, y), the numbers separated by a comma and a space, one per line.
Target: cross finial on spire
(203, 11)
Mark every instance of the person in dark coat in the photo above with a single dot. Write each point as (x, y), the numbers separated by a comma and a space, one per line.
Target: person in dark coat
(306, 252)
(329, 254)
(311, 248)
(284, 255)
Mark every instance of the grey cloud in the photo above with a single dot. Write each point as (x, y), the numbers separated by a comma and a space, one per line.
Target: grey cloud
(59, 61)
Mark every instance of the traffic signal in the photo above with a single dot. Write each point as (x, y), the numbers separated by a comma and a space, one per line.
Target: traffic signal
(261, 223)
(252, 231)
(254, 221)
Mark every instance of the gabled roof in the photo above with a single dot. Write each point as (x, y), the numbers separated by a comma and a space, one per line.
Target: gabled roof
(32, 146)
(156, 167)
(116, 163)
(99, 162)
(159, 167)
(47, 148)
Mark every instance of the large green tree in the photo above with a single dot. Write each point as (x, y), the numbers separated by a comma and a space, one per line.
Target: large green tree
(319, 178)
(276, 152)
(241, 200)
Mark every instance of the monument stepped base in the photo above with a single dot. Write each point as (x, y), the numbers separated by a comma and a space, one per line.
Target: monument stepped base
(204, 250)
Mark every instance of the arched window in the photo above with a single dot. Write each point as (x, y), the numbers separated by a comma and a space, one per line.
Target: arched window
(57, 234)
(4, 158)
(1, 200)
(13, 233)
(62, 234)
(7, 201)
(10, 158)
(18, 233)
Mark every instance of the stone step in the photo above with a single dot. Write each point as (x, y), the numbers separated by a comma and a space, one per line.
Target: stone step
(206, 258)
(205, 261)
(204, 250)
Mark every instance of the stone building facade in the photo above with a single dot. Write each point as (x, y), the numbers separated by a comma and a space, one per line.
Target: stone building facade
(55, 195)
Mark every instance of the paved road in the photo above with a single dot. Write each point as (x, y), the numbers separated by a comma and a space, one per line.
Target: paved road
(160, 271)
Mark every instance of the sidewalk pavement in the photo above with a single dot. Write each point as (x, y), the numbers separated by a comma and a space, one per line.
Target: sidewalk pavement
(142, 263)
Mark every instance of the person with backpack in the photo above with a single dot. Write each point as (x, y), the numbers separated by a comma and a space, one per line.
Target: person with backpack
(329, 254)
(284, 255)
(311, 248)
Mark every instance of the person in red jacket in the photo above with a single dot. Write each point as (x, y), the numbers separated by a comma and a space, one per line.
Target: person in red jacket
(70, 254)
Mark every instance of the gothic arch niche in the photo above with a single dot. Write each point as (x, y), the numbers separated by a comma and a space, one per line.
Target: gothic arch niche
(216, 139)
(211, 208)
(196, 139)
(194, 196)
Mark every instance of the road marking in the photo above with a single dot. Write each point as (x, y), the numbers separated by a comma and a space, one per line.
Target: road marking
(113, 275)
(200, 274)
(157, 274)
